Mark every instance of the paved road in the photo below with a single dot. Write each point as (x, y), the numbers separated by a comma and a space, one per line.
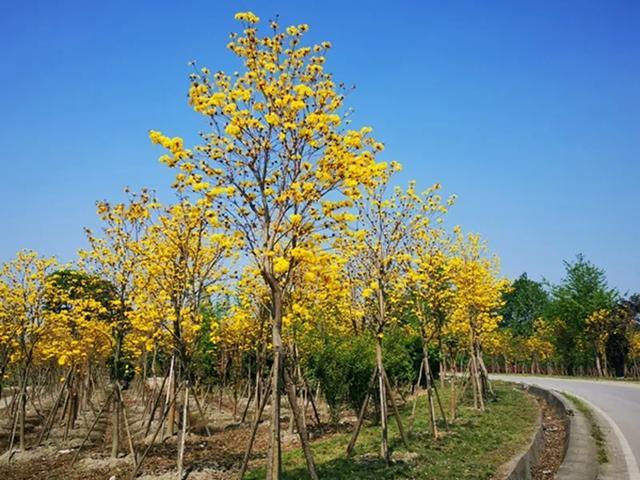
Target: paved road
(617, 402)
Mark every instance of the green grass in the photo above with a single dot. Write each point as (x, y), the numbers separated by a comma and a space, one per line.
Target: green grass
(596, 432)
(476, 445)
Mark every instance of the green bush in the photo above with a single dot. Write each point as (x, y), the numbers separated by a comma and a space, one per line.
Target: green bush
(401, 355)
(343, 366)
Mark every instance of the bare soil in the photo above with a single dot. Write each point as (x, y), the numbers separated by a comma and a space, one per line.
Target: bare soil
(215, 457)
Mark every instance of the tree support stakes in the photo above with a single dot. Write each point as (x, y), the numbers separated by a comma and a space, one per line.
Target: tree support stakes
(485, 374)
(126, 426)
(153, 439)
(300, 423)
(246, 408)
(155, 405)
(363, 410)
(171, 397)
(254, 428)
(384, 443)
(23, 409)
(183, 433)
(13, 435)
(430, 386)
(415, 398)
(202, 412)
(93, 426)
(50, 419)
(395, 409)
(444, 417)
(313, 403)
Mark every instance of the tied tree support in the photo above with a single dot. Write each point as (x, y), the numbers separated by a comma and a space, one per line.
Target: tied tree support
(432, 391)
(385, 394)
(482, 389)
(281, 379)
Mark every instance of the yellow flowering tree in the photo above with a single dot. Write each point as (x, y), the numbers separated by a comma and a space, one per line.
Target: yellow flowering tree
(115, 258)
(277, 162)
(7, 344)
(540, 345)
(598, 326)
(77, 336)
(379, 247)
(25, 281)
(432, 297)
(320, 300)
(77, 330)
(478, 298)
(241, 332)
(183, 262)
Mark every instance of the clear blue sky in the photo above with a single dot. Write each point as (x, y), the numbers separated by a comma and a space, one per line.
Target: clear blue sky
(529, 111)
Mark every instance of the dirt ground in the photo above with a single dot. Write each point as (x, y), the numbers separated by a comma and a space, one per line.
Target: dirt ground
(215, 457)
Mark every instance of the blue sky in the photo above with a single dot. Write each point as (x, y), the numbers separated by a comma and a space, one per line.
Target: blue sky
(529, 111)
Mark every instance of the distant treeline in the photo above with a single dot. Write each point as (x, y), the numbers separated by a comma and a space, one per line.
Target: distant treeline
(580, 326)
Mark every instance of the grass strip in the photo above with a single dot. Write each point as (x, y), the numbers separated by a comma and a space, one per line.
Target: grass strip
(596, 431)
(474, 448)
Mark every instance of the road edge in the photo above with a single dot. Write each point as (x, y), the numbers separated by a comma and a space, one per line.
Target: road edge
(622, 445)
(580, 454)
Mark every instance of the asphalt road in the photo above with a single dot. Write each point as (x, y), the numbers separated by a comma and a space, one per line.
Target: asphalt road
(617, 402)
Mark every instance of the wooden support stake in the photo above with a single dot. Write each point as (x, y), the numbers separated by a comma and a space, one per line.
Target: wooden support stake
(254, 428)
(300, 423)
(363, 411)
(396, 413)
(415, 398)
(183, 433)
(93, 425)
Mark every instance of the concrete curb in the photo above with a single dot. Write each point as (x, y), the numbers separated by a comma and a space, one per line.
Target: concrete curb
(579, 455)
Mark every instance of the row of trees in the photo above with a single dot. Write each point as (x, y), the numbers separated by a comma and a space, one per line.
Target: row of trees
(288, 263)
(579, 326)
(164, 289)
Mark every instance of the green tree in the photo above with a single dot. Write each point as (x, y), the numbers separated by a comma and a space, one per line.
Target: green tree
(525, 302)
(582, 293)
(78, 285)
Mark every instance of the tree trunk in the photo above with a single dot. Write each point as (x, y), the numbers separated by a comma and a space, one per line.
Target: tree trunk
(23, 408)
(598, 367)
(274, 466)
(384, 445)
(171, 395)
(484, 374)
(475, 373)
(432, 408)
